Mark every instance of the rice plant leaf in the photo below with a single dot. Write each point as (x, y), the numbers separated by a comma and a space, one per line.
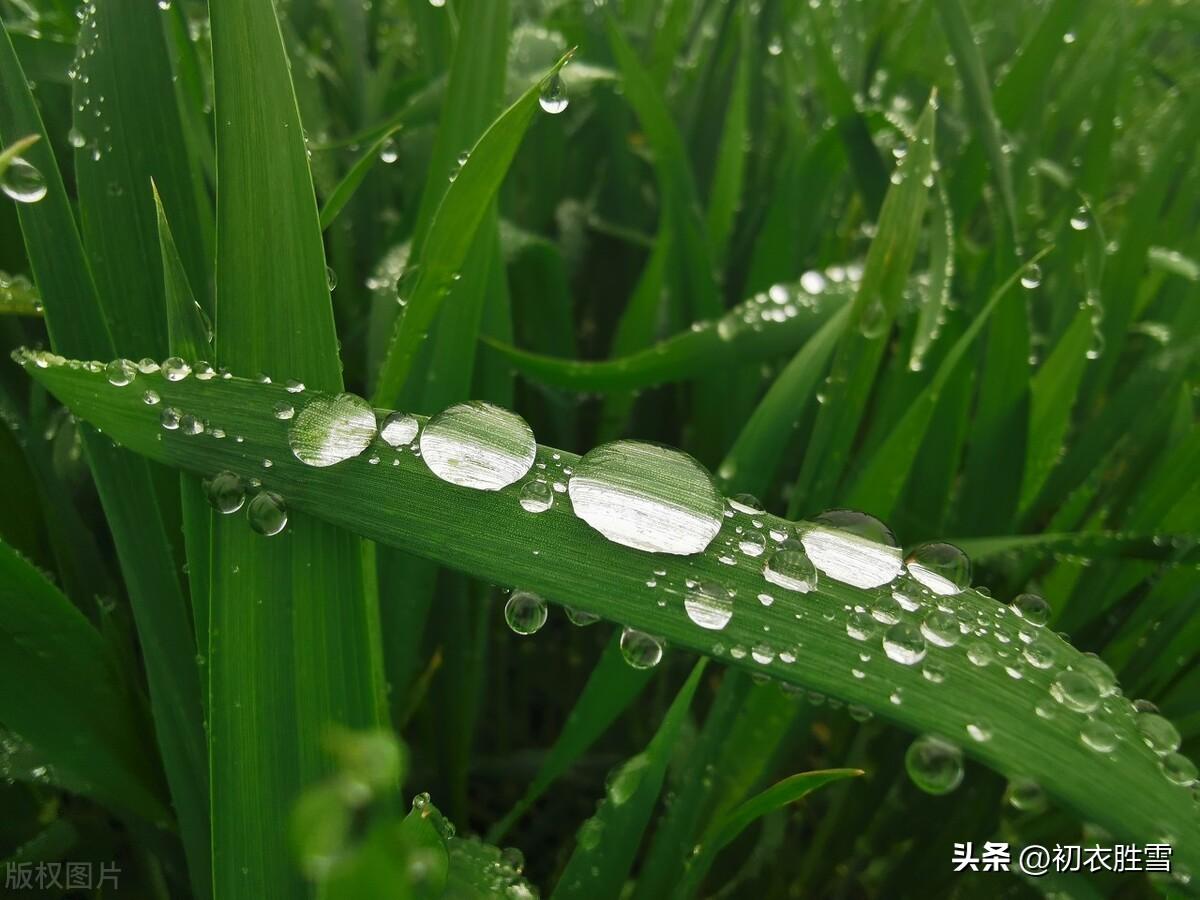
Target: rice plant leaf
(725, 193)
(294, 643)
(936, 294)
(749, 332)
(353, 179)
(608, 842)
(77, 319)
(451, 230)
(488, 534)
(74, 707)
(611, 687)
(722, 832)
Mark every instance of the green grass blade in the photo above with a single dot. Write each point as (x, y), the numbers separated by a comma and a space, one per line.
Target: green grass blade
(294, 630)
(353, 179)
(404, 505)
(608, 843)
(451, 231)
(725, 193)
(722, 832)
(941, 274)
(612, 686)
(74, 707)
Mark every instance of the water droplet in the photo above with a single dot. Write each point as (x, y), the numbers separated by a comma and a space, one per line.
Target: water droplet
(647, 497)
(874, 321)
(22, 182)
(175, 369)
(330, 278)
(190, 425)
(935, 766)
(1026, 795)
(979, 731)
(478, 445)
(592, 829)
(332, 429)
(267, 513)
(1098, 736)
(1178, 769)
(284, 411)
(580, 617)
(226, 492)
(388, 152)
(709, 605)
(525, 612)
(1032, 608)
(553, 98)
(399, 429)
(853, 547)
(120, 372)
(941, 628)
(1081, 219)
(150, 398)
(536, 496)
(1031, 276)
(904, 644)
(790, 568)
(1159, 734)
(1076, 691)
(640, 649)
(752, 543)
(169, 418)
(746, 503)
(76, 139)
(941, 567)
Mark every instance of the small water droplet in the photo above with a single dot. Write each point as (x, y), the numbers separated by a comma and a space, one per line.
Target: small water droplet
(284, 411)
(1098, 735)
(388, 152)
(790, 568)
(1026, 795)
(399, 429)
(525, 612)
(1032, 608)
(941, 567)
(22, 181)
(330, 430)
(169, 418)
(640, 649)
(536, 496)
(1081, 219)
(1178, 769)
(226, 492)
(175, 369)
(941, 628)
(120, 372)
(151, 398)
(267, 513)
(1076, 691)
(330, 278)
(1159, 734)
(709, 605)
(553, 98)
(934, 765)
(580, 617)
(904, 644)
(1031, 276)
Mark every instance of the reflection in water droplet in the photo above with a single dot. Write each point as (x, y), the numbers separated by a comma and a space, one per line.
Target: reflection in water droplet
(267, 513)
(525, 612)
(175, 369)
(284, 411)
(1031, 276)
(1098, 736)
(904, 644)
(1032, 608)
(332, 429)
(1159, 734)
(709, 605)
(647, 497)
(536, 496)
(790, 568)
(478, 445)
(935, 766)
(399, 429)
(1178, 769)
(553, 98)
(1026, 795)
(853, 548)
(1076, 691)
(941, 628)
(226, 492)
(640, 649)
(120, 372)
(22, 181)
(941, 567)
(580, 617)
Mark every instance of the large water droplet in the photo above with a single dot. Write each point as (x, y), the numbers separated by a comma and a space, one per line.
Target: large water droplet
(478, 445)
(941, 567)
(1178, 769)
(536, 496)
(226, 492)
(399, 429)
(120, 372)
(904, 644)
(1032, 608)
(22, 181)
(332, 429)
(553, 98)
(853, 548)
(1076, 691)
(790, 568)
(647, 497)
(1098, 735)
(175, 369)
(941, 628)
(1031, 276)
(267, 513)
(1026, 795)
(1159, 734)
(525, 612)
(709, 605)
(935, 766)
(640, 649)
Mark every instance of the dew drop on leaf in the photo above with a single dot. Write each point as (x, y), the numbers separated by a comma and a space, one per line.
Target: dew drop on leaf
(226, 492)
(640, 649)
(934, 765)
(332, 429)
(267, 513)
(941, 567)
(904, 644)
(478, 445)
(399, 429)
(709, 605)
(536, 496)
(1032, 608)
(525, 612)
(647, 497)
(853, 547)
(22, 181)
(553, 98)
(120, 372)
(790, 568)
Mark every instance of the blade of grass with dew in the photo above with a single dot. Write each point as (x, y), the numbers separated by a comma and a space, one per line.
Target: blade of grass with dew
(608, 842)
(722, 832)
(743, 334)
(78, 323)
(610, 689)
(858, 355)
(127, 119)
(487, 534)
(878, 488)
(294, 644)
(451, 230)
(188, 337)
(73, 708)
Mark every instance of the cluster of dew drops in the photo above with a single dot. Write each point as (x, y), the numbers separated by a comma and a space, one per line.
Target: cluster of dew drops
(659, 500)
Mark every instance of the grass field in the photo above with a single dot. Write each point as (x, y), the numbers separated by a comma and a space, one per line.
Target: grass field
(448, 447)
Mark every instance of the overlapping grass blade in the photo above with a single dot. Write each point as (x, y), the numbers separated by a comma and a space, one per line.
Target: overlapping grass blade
(404, 504)
(294, 642)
